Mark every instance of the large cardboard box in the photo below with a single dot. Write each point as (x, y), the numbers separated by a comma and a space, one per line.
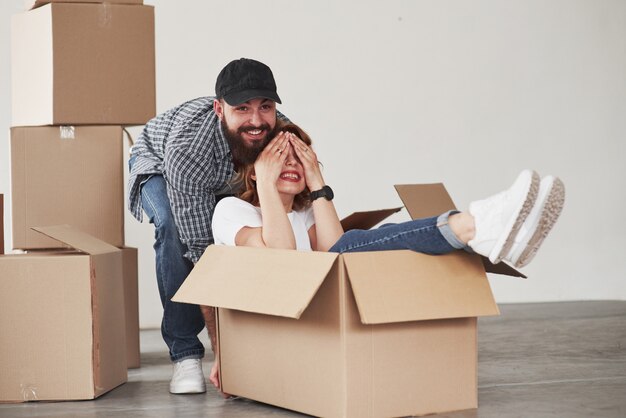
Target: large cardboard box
(31, 4)
(77, 64)
(67, 175)
(131, 306)
(373, 334)
(62, 321)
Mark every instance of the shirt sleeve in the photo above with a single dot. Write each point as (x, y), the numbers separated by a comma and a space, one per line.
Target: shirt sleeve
(230, 216)
(191, 199)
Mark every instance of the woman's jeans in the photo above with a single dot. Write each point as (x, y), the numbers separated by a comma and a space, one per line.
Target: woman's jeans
(181, 322)
(428, 236)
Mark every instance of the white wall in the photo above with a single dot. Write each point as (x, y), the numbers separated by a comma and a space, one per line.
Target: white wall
(468, 93)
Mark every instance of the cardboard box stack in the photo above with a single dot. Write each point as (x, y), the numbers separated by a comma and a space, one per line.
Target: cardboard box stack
(372, 334)
(81, 70)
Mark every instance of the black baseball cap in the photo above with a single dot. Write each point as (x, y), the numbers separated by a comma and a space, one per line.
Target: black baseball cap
(245, 79)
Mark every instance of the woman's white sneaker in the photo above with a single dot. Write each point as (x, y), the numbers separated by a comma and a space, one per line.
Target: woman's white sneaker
(498, 218)
(188, 377)
(539, 222)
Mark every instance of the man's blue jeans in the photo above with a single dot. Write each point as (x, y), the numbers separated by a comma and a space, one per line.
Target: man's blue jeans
(428, 236)
(181, 322)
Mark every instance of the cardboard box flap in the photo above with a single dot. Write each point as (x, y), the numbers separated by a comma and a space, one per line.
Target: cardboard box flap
(76, 238)
(260, 280)
(398, 286)
(367, 219)
(425, 200)
(500, 268)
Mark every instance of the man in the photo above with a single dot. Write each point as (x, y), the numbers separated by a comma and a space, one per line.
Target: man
(179, 166)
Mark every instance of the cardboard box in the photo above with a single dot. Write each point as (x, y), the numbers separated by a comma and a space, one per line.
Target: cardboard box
(32, 4)
(80, 64)
(62, 321)
(67, 175)
(373, 334)
(131, 306)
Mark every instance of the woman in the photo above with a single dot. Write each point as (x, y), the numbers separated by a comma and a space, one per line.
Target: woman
(285, 203)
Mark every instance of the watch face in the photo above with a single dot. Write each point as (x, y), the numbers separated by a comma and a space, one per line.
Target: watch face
(328, 193)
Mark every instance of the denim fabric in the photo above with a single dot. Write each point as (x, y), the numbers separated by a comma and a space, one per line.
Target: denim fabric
(181, 322)
(428, 235)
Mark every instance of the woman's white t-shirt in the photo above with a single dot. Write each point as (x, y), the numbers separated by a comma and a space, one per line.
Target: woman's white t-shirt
(231, 214)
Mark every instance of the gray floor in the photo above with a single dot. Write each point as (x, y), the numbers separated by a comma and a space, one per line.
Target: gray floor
(535, 360)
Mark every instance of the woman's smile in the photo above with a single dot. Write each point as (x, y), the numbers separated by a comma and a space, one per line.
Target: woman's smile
(291, 175)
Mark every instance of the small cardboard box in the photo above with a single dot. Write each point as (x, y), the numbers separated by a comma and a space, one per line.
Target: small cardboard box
(62, 321)
(372, 334)
(80, 64)
(67, 175)
(131, 306)
(32, 4)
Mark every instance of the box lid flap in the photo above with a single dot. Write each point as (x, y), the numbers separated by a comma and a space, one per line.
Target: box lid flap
(76, 238)
(500, 268)
(425, 200)
(367, 219)
(397, 286)
(261, 280)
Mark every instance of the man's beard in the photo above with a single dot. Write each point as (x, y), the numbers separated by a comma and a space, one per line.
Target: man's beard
(243, 152)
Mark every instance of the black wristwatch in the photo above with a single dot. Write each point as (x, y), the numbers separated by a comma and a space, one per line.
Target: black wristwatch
(326, 192)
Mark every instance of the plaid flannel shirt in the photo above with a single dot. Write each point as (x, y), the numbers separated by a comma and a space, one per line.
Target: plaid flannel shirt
(187, 146)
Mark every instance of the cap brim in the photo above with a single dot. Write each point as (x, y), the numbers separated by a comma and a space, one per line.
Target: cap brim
(240, 97)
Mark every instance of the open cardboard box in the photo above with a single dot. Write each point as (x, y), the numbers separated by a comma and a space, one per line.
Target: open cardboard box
(373, 334)
(63, 321)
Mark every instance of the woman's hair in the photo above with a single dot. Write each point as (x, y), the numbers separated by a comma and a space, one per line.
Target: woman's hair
(248, 190)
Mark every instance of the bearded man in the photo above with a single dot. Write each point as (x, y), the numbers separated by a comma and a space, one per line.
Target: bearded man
(180, 166)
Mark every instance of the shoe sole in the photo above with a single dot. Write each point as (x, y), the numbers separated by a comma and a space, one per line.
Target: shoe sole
(503, 248)
(549, 215)
(188, 390)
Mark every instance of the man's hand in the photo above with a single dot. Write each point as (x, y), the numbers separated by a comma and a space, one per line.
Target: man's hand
(214, 377)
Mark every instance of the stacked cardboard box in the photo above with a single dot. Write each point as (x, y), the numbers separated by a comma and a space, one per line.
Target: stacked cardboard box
(64, 311)
(81, 70)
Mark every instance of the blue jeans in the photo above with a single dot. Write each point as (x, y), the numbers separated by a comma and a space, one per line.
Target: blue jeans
(181, 322)
(427, 235)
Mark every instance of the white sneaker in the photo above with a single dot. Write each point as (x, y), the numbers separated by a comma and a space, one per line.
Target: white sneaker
(498, 218)
(539, 222)
(188, 377)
